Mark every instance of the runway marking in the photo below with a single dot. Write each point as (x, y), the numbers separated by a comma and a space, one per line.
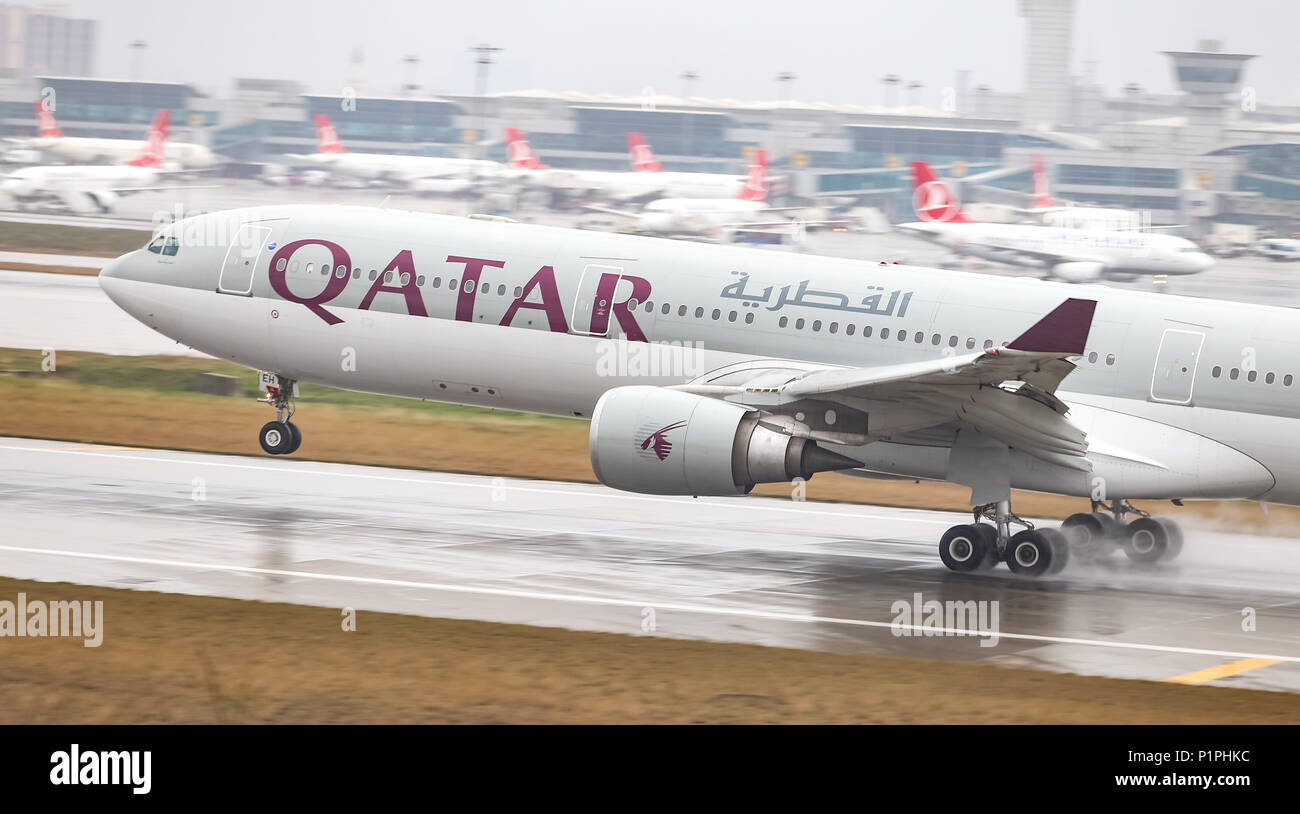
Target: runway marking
(592, 491)
(644, 603)
(1232, 668)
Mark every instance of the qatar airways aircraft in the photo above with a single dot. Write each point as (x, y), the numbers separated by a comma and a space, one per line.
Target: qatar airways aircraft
(1072, 255)
(705, 369)
(416, 171)
(51, 142)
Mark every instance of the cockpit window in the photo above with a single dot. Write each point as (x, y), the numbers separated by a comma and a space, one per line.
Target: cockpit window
(171, 247)
(156, 245)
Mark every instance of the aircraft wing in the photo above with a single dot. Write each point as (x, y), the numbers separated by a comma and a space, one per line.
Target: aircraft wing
(609, 210)
(1004, 392)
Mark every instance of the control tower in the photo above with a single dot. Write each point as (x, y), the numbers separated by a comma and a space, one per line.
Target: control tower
(1212, 81)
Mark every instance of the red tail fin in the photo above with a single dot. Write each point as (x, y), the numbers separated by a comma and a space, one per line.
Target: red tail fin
(643, 158)
(519, 153)
(932, 199)
(326, 135)
(756, 184)
(1042, 198)
(155, 143)
(46, 126)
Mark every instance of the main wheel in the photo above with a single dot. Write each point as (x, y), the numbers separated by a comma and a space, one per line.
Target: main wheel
(1145, 540)
(1175, 538)
(990, 534)
(295, 437)
(1060, 550)
(1029, 553)
(276, 438)
(1088, 533)
(963, 548)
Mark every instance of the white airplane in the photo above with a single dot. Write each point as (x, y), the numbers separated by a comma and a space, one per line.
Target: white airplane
(722, 218)
(51, 142)
(405, 170)
(647, 179)
(1072, 255)
(705, 369)
(92, 188)
(1051, 212)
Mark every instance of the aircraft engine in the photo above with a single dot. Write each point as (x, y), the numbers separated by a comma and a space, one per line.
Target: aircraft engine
(1078, 272)
(659, 441)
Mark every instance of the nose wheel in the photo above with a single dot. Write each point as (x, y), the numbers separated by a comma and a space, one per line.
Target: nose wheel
(1038, 552)
(281, 436)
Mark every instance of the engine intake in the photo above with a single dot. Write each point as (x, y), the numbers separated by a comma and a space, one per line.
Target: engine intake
(665, 442)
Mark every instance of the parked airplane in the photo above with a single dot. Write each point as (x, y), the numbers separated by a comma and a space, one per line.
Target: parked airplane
(1051, 212)
(51, 143)
(88, 188)
(1072, 255)
(754, 367)
(640, 184)
(747, 212)
(405, 170)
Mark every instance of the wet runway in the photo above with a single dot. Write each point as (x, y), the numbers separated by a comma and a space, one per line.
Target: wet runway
(817, 576)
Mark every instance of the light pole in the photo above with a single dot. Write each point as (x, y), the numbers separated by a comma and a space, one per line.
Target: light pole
(412, 63)
(483, 59)
(1133, 90)
(783, 82)
(688, 124)
(890, 81)
(912, 87)
(137, 48)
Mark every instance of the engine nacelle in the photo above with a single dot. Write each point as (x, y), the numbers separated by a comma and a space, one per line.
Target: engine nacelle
(665, 442)
(1078, 271)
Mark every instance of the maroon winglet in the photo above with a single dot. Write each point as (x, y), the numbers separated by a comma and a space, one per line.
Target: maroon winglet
(1064, 330)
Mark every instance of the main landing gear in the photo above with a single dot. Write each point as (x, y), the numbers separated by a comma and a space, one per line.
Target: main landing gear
(1036, 552)
(281, 436)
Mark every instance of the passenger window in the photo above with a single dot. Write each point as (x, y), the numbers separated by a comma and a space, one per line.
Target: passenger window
(988, 343)
(784, 322)
(1286, 380)
(419, 280)
(798, 324)
(406, 278)
(501, 290)
(731, 317)
(307, 268)
(749, 318)
(437, 281)
(451, 284)
(1092, 359)
(1268, 379)
(681, 310)
(1252, 375)
(665, 309)
(1110, 358)
(952, 341)
(1233, 374)
(817, 325)
(866, 331)
(884, 332)
(834, 327)
(970, 343)
(699, 312)
(902, 336)
(1217, 370)
(716, 313)
(373, 274)
(848, 329)
(341, 272)
(280, 264)
(519, 291)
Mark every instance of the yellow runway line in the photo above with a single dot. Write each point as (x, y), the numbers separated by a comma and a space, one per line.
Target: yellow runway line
(1232, 668)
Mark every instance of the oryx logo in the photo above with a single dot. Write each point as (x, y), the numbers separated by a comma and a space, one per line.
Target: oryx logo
(934, 202)
(658, 442)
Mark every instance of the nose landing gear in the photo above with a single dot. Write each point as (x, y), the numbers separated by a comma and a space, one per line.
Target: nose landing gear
(281, 436)
(1039, 552)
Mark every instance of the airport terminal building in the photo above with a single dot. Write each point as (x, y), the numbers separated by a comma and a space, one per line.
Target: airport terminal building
(1206, 154)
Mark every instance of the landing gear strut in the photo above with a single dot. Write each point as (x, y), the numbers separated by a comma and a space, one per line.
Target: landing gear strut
(1035, 552)
(281, 436)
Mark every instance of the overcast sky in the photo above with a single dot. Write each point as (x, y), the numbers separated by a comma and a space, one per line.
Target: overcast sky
(838, 50)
